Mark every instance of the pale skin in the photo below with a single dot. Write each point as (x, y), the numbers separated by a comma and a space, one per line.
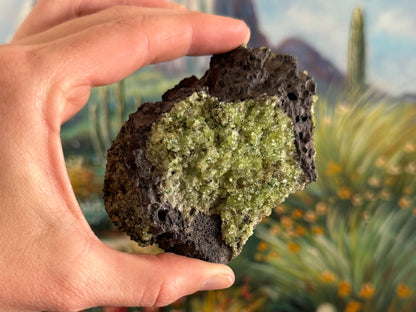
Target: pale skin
(50, 260)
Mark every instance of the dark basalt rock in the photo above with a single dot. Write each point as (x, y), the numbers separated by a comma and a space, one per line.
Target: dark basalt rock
(131, 193)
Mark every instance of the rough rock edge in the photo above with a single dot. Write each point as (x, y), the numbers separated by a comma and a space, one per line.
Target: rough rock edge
(131, 182)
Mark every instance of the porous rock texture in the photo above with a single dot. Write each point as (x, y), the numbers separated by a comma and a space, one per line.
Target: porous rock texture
(132, 194)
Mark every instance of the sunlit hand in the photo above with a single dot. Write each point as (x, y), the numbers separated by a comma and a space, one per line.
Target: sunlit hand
(50, 259)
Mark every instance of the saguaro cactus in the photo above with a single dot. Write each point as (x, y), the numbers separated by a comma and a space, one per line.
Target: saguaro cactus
(356, 67)
(103, 127)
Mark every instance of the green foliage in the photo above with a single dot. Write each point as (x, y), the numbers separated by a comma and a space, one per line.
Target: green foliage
(349, 239)
(103, 131)
(355, 79)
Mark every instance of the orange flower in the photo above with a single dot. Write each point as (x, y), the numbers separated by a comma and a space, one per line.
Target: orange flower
(273, 255)
(275, 230)
(357, 200)
(286, 222)
(321, 208)
(385, 195)
(403, 291)
(393, 170)
(367, 291)
(333, 168)
(262, 246)
(344, 193)
(297, 213)
(410, 168)
(374, 181)
(310, 216)
(318, 230)
(327, 277)
(281, 209)
(380, 162)
(404, 202)
(293, 247)
(409, 147)
(258, 257)
(353, 306)
(300, 230)
(344, 289)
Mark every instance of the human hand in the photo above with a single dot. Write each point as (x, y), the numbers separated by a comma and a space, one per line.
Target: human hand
(50, 259)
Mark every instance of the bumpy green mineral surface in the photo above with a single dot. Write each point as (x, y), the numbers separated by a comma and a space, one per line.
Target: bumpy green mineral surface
(237, 160)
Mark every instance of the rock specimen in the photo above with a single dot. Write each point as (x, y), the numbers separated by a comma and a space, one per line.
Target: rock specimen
(198, 171)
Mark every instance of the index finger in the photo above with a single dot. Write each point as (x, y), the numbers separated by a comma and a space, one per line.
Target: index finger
(106, 53)
(47, 14)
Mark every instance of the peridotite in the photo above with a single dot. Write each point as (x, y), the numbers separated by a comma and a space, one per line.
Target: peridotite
(234, 159)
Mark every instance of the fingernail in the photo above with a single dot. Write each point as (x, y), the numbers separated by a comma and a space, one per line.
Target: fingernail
(218, 282)
(247, 39)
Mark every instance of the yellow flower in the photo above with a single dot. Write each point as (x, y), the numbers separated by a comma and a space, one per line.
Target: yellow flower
(286, 222)
(321, 208)
(293, 247)
(367, 291)
(344, 193)
(333, 168)
(318, 230)
(300, 230)
(404, 202)
(327, 277)
(344, 289)
(262, 246)
(310, 216)
(297, 213)
(353, 306)
(403, 291)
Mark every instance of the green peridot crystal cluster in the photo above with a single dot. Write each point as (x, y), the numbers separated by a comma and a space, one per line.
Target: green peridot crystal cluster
(234, 159)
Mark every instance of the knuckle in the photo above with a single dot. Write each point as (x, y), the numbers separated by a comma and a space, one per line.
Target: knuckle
(169, 288)
(167, 292)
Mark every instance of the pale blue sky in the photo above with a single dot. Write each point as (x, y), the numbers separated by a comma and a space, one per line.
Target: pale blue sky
(390, 29)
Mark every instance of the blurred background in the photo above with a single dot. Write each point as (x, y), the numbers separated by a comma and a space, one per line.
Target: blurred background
(348, 242)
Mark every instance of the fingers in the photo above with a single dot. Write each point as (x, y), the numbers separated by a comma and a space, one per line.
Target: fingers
(147, 280)
(74, 26)
(47, 13)
(106, 53)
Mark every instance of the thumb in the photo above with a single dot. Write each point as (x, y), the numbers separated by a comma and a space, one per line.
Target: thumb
(120, 279)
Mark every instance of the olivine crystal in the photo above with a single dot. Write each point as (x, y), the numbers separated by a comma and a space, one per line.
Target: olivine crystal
(196, 172)
(233, 159)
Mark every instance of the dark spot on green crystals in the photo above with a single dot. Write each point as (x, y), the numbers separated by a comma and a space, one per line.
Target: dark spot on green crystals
(234, 159)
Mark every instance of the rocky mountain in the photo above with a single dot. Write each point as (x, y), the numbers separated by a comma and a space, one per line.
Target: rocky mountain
(325, 73)
(328, 77)
(246, 11)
